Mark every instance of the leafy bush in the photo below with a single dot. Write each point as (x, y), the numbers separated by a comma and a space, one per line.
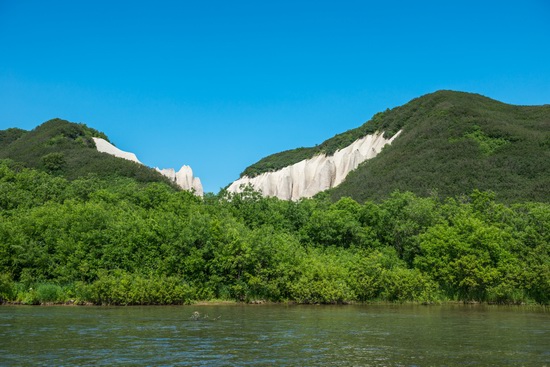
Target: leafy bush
(402, 284)
(53, 162)
(49, 293)
(7, 288)
(121, 288)
(487, 144)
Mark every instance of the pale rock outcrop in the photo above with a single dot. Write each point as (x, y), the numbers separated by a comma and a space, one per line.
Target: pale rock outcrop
(104, 146)
(183, 178)
(311, 176)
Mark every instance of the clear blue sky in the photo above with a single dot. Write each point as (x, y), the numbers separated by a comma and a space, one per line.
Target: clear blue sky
(220, 84)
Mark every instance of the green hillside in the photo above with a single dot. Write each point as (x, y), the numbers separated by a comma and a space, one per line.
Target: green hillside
(451, 144)
(67, 149)
(274, 162)
(455, 142)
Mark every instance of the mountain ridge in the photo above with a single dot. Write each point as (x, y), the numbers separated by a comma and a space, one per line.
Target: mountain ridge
(311, 176)
(68, 149)
(451, 143)
(183, 178)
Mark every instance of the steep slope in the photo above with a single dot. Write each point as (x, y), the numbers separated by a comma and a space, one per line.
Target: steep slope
(103, 146)
(67, 149)
(183, 178)
(75, 150)
(311, 176)
(449, 143)
(287, 158)
(455, 142)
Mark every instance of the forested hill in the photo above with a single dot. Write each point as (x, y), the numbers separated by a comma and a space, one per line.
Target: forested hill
(66, 149)
(106, 238)
(274, 162)
(455, 142)
(451, 143)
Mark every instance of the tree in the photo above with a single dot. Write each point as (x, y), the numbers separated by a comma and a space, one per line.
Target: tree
(54, 162)
(467, 257)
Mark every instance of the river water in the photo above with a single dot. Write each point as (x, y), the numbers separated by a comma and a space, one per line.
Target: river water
(275, 335)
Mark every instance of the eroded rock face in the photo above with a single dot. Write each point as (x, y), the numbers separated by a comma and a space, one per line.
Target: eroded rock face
(104, 146)
(183, 178)
(311, 176)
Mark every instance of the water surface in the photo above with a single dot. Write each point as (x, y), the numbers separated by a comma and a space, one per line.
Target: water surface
(263, 335)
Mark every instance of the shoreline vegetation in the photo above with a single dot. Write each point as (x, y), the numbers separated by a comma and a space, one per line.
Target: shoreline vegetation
(260, 303)
(115, 241)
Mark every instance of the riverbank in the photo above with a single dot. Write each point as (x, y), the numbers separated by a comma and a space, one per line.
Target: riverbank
(288, 303)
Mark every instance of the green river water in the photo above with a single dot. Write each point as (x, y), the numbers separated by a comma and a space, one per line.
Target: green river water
(275, 335)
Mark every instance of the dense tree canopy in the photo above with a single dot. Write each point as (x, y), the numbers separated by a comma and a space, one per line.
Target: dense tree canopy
(119, 241)
(68, 150)
(450, 143)
(453, 143)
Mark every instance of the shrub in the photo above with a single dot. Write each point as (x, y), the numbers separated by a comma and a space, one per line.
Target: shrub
(7, 288)
(49, 293)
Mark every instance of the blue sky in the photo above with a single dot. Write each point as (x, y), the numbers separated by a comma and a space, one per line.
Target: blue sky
(218, 85)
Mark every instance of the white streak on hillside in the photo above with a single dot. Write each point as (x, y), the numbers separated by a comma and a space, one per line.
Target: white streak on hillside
(311, 176)
(183, 178)
(103, 146)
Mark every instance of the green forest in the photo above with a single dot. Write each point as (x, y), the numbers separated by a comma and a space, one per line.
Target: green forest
(119, 241)
(67, 149)
(450, 142)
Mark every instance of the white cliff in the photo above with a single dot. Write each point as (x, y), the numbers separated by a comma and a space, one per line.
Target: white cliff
(311, 176)
(103, 146)
(183, 178)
